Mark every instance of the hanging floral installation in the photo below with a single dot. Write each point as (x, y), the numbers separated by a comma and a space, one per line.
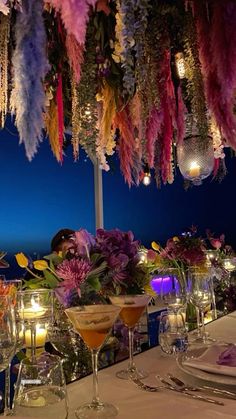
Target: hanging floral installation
(138, 77)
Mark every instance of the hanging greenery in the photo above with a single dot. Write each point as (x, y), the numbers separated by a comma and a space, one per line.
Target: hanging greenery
(106, 71)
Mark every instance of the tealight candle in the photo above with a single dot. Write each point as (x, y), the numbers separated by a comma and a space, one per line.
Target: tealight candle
(229, 266)
(194, 170)
(33, 312)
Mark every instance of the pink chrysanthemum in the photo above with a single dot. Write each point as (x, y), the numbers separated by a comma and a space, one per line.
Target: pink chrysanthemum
(73, 272)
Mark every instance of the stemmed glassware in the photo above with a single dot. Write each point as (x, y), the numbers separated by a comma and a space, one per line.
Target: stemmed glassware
(132, 307)
(41, 389)
(175, 296)
(200, 296)
(11, 287)
(170, 285)
(93, 323)
(7, 339)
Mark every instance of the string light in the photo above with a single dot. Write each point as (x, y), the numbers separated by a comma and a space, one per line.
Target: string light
(180, 65)
(147, 175)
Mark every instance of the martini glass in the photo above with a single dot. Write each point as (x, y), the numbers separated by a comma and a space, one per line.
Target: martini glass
(132, 307)
(93, 323)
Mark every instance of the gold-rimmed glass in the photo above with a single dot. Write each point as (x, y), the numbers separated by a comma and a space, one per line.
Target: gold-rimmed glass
(132, 307)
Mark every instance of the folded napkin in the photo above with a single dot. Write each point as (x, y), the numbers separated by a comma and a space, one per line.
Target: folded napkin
(228, 357)
(216, 360)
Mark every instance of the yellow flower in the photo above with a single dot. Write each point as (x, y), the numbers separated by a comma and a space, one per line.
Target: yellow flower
(148, 290)
(22, 260)
(175, 239)
(155, 246)
(40, 265)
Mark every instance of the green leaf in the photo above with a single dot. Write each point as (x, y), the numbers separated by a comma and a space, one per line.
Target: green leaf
(98, 270)
(54, 258)
(94, 283)
(52, 280)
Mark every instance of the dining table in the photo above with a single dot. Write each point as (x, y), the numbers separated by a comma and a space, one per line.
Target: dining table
(135, 403)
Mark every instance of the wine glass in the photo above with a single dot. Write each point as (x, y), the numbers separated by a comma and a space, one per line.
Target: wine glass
(132, 307)
(41, 389)
(93, 323)
(7, 341)
(200, 296)
(173, 336)
(170, 285)
(10, 287)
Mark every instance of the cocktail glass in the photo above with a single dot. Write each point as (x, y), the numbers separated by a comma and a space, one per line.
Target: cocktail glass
(132, 307)
(94, 323)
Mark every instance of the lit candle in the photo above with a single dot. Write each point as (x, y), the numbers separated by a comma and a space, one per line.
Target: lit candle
(194, 170)
(33, 312)
(40, 338)
(229, 266)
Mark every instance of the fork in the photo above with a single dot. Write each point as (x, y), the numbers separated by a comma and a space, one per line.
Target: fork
(168, 386)
(220, 392)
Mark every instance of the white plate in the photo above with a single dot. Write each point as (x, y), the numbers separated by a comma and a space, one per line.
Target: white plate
(203, 375)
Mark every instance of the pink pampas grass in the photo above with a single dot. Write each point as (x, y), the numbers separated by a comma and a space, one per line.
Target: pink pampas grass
(75, 55)
(75, 15)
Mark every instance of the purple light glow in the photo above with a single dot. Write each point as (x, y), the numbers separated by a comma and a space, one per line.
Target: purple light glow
(163, 285)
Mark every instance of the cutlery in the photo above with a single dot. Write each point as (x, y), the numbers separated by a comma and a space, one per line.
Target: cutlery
(168, 386)
(214, 390)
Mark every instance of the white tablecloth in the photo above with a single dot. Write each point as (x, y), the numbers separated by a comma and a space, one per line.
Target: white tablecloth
(134, 403)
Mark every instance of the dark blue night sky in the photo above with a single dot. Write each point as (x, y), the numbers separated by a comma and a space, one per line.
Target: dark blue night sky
(39, 198)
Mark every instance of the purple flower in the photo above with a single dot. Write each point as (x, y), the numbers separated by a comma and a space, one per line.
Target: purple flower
(84, 241)
(73, 272)
(115, 242)
(63, 295)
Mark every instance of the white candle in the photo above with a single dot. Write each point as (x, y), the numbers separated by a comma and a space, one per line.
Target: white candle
(40, 338)
(194, 170)
(33, 312)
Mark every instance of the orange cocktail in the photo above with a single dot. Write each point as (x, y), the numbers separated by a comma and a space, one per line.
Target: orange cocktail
(93, 323)
(131, 315)
(132, 307)
(94, 338)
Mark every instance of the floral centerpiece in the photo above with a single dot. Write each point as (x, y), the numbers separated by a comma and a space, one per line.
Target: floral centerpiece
(222, 260)
(181, 253)
(93, 267)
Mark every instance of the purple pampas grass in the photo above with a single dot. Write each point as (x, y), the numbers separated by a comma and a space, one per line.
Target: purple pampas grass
(30, 66)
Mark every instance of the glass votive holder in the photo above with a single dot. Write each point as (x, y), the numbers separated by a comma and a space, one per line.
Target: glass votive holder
(35, 310)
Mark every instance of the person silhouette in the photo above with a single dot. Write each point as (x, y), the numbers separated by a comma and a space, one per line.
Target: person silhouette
(61, 240)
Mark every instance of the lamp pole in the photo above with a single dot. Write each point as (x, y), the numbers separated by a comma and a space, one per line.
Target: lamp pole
(98, 193)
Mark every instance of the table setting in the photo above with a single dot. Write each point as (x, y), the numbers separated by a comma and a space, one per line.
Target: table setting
(83, 293)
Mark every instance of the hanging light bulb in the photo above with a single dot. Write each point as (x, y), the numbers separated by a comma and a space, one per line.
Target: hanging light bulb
(147, 175)
(180, 65)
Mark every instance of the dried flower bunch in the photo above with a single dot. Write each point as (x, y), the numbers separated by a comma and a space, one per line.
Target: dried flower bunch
(107, 69)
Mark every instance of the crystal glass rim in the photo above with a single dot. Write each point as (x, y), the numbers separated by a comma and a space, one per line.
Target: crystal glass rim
(130, 295)
(77, 309)
(36, 292)
(38, 362)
